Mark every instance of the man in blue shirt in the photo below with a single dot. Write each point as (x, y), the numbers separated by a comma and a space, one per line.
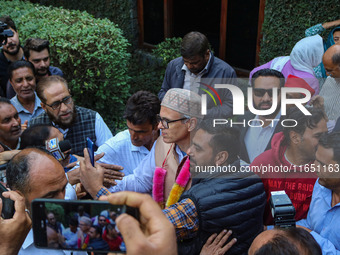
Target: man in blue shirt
(323, 220)
(129, 147)
(26, 101)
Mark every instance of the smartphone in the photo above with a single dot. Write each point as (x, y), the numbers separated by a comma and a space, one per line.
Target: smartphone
(7, 204)
(90, 149)
(54, 223)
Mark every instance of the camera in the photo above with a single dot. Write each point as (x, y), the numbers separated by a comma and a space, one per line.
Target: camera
(4, 33)
(282, 209)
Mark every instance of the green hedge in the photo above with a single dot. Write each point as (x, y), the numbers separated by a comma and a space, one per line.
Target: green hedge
(121, 12)
(91, 52)
(285, 23)
(148, 69)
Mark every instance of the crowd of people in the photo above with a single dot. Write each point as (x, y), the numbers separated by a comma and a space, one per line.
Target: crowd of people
(210, 183)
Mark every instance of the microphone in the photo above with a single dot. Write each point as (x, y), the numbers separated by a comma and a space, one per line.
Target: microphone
(57, 148)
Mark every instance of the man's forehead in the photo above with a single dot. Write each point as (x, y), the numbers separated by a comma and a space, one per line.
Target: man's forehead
(167, 112)
(22, 70)
(39, 54)
(7, 111)
(267, 81)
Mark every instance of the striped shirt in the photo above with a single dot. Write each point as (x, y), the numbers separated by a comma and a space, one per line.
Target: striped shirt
(331, 93)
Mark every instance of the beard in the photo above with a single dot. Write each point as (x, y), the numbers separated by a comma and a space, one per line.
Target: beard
(12, 53)
(62, 124)
(42, 72)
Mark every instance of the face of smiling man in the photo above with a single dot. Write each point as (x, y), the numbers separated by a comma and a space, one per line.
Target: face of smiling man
(23, 83)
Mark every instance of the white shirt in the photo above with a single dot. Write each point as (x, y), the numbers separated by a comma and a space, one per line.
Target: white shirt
(28, 248)
(192, 81)
(120, 151)
(257, 138)
(141, 179)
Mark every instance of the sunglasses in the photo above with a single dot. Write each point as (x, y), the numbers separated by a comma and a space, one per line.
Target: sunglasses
(262, 92)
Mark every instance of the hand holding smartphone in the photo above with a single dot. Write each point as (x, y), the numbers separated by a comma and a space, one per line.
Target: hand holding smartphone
(49, 215)
(90, 149)
(7, 204)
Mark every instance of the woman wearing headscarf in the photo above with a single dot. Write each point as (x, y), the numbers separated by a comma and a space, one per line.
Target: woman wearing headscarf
(333, 38)
(306, 54)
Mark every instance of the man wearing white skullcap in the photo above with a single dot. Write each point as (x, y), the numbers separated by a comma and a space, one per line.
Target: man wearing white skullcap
(157, 172)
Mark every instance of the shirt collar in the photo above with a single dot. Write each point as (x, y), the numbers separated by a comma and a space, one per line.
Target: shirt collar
(205, 69)
(29, 240)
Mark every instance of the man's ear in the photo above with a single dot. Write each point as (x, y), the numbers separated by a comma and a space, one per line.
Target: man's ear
(221, 158)
(294, 137)
(43, 106)
(192, 124)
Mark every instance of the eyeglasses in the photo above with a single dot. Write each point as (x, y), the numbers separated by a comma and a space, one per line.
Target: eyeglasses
(262, 92)
(66, 100)
(166, 122)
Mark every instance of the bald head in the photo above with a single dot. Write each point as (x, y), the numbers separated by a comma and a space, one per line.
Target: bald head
(35, 173)
(331, 61)
(292, 240)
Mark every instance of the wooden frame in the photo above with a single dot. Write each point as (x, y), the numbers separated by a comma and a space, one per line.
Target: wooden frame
(168, 25)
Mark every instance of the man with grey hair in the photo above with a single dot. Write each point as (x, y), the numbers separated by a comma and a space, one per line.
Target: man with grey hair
(85, 224)
(157, 172)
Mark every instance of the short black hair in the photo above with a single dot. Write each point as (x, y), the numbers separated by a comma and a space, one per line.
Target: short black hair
(141, 107)
(98, 229)
(303, 121)
(35, 135)
(10, 23)
(35, 44)
(194, 44)
(225, 138)
(4, 100)
(19, 64)
(332, 141)
(268, 73)
(291, 241)
(73, 222)
(18, 168)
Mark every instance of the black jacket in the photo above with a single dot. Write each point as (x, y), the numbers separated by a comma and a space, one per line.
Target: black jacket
(233, 202)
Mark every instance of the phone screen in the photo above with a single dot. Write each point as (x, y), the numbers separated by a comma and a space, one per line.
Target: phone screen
(7, 204)
(90, 149)
(78, 225)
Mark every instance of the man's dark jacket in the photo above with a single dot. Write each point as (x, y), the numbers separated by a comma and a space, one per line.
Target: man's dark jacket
(233, 201)
(218, 72)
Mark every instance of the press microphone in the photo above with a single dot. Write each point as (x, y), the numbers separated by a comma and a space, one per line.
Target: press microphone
(57, 148)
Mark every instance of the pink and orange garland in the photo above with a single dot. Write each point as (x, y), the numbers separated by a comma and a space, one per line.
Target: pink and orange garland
(177, 189)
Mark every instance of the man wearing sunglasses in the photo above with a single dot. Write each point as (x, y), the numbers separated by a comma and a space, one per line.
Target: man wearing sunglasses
(255, 139)
(76, 123)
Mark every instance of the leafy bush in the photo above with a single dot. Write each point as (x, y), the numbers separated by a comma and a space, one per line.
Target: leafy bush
(148, 69)
(285, 23)
(91, 52)
(121, 12)
(168, 50)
